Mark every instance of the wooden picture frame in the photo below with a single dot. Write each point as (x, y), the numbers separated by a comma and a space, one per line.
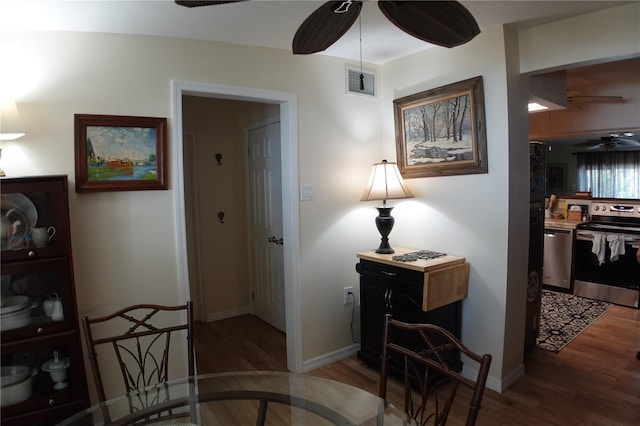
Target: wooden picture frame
(556, 179)
(120, 153)
(441, 132)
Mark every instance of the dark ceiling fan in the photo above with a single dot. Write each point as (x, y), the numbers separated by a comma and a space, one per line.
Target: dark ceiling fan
(575, 98)
(611, 143)
(444, 23)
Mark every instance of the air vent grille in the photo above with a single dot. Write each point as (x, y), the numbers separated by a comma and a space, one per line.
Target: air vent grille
(353, 82)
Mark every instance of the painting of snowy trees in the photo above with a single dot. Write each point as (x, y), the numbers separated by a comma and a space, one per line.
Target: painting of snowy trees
(441, 131)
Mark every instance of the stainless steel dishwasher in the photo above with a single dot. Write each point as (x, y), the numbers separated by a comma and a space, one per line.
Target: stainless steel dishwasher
(558, 256)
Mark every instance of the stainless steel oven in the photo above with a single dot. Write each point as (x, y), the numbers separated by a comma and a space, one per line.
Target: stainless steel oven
(605, 253)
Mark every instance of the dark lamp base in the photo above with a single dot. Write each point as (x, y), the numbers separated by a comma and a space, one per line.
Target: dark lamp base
(384, 223)
(385, 249)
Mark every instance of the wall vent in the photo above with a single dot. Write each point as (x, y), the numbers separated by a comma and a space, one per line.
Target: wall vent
(353, 81)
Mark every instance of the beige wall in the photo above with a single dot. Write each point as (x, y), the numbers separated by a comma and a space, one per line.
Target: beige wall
(124, 243)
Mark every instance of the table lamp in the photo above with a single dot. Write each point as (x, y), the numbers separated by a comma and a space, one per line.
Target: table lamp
(10, 124)
(385, 183)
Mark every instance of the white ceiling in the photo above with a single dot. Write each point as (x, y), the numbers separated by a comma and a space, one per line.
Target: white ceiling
(264, 23)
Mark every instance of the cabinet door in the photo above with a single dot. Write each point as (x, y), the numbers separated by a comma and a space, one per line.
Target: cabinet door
(34, 211)
(36, 383)
(406, 301)
(373, 306)
(37, 299)
(406, 306)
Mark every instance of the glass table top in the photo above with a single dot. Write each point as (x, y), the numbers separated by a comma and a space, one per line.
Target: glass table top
(240, 398)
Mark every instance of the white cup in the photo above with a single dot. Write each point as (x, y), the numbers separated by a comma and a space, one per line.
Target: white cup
(57, 314)
(42, 236)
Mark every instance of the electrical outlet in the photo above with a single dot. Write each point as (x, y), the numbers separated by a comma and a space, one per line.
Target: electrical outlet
(348, 295)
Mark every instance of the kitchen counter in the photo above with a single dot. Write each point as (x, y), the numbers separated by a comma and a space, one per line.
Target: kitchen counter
(563, 223)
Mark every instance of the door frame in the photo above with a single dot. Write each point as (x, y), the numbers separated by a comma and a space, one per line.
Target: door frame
(290, 207)
(194, 243)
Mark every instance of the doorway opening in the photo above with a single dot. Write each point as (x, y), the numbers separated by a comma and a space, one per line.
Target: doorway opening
(290, 214)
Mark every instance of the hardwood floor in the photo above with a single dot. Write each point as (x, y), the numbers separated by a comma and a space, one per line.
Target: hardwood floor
(595, 380)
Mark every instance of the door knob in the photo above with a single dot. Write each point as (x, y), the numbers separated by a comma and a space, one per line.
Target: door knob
(276, 240)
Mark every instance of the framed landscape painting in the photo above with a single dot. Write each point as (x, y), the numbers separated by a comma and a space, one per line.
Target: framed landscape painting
(441, 132)
(120, 153)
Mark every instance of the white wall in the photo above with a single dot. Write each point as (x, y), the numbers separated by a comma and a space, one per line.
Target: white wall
(591, 38)
(464, 215)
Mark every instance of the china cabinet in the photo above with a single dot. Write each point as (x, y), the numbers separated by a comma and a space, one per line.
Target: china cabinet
(43, 376)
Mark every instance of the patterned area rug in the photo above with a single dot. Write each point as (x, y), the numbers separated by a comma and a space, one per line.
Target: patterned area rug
(565, 316)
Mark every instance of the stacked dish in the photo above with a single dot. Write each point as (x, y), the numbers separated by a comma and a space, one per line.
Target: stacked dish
(15, 384)
(15, 312)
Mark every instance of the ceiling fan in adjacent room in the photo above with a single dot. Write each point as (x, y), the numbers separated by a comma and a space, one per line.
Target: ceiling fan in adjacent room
(624, 141)
(444, 23)
(575, 98)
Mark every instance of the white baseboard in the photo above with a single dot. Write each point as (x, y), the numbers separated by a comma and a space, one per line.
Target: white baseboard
(215, 316)
(498, 385)
(330, 357)
(508, 380)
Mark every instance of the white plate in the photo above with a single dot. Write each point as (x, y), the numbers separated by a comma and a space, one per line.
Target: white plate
(21, 203)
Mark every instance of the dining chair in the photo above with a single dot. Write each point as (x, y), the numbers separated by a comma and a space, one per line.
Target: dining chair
(141, 349)
(428, 370)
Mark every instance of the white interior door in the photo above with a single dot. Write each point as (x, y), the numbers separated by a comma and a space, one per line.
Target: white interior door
(265, 233)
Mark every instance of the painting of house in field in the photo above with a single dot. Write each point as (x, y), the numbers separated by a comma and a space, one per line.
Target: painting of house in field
(121, 153)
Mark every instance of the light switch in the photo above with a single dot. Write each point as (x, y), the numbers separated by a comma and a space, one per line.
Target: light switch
(306, 193)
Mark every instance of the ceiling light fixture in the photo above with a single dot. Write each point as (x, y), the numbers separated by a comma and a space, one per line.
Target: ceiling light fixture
(534, 106)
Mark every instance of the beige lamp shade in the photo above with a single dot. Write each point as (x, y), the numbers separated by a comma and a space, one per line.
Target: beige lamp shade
(10, 124)
(386, 183)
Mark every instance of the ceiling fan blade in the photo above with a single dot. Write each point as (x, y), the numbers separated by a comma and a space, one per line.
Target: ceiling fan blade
(588, 143)
(627, 141)
(600, 146)
(325, 26)
(445, 23)
(596, 99)
(198, 3)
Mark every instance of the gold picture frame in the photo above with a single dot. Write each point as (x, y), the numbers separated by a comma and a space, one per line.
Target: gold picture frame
(120, 153)
(441, 132)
